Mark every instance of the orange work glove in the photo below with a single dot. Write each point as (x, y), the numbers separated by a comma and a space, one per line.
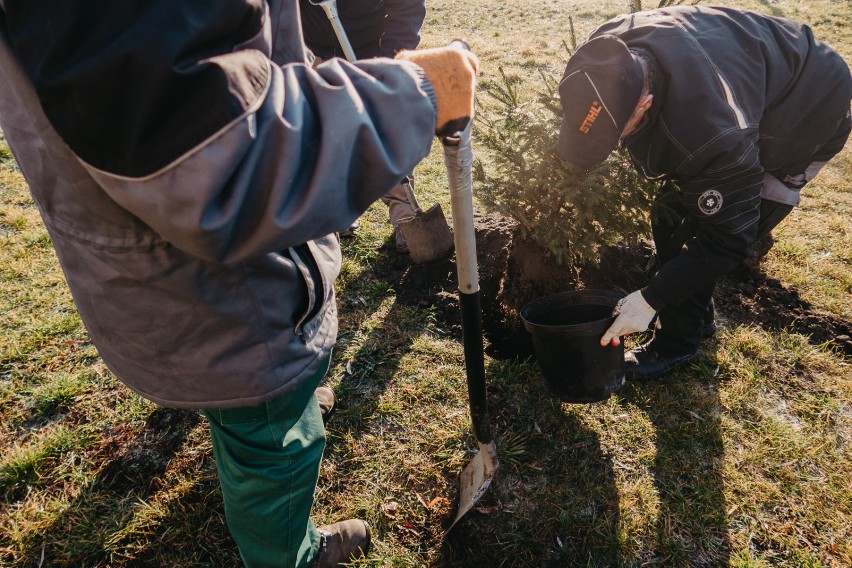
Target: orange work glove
(452, 72)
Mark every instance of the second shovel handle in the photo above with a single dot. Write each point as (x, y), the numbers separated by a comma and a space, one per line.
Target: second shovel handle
(330, 8)
(408, 187)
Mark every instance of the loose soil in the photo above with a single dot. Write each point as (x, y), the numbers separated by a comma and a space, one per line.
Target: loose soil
(766, 302)
(513, 271)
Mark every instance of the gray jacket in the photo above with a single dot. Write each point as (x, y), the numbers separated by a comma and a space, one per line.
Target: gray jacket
(192, 171)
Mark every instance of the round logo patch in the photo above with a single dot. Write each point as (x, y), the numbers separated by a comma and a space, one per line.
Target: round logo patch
(710, 202)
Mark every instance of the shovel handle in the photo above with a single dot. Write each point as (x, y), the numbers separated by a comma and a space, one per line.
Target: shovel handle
(330, 9)
(474, 362)
(408, 187)
(458, 158)
(460, 44)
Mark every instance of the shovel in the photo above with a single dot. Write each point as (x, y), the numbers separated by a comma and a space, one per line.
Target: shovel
(477, 475)
(427, 234)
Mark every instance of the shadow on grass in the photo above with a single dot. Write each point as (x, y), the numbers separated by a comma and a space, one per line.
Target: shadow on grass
(112, 520)
(692, 520)
(554, 501)
(751, 297)
(369, 370)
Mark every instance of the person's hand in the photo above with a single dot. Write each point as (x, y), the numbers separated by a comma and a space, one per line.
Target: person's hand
(452, 72)
(632, 314)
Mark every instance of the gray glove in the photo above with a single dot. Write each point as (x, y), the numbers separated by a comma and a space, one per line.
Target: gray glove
(632, 314)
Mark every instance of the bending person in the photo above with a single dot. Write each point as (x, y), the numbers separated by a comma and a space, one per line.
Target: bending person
(180, 155)
(739, 110)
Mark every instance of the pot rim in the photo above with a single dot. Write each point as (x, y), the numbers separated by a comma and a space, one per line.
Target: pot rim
(588, 297)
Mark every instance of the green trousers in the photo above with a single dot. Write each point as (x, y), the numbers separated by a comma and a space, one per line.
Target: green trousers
(268, 460)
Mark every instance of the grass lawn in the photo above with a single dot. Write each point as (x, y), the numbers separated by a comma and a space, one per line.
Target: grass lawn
(744, 459)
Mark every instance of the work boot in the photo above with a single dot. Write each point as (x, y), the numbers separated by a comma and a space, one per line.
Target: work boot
(342, 542)
(356, 224)
(325, 398)
(644, 363)
(401, 245)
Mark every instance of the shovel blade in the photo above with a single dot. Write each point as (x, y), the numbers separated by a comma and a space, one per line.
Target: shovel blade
(476, 478)
(428, 235)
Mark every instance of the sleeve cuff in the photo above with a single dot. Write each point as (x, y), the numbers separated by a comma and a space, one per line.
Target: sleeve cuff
(426, 85)
(653, 298)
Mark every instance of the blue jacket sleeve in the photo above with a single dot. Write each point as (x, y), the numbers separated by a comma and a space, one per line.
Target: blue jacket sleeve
(319, 147)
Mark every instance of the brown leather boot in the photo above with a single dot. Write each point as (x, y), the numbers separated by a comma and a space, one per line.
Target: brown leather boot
(325, 398)
(342, 542)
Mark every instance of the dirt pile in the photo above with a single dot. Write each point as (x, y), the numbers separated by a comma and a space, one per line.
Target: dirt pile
(766, 302)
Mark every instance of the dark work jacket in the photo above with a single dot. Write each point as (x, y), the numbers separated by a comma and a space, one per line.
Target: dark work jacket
(191, 170)
(737, 94)
(375, 28)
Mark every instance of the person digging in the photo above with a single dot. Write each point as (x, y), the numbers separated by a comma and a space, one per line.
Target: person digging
(738, 111)
(193, 206)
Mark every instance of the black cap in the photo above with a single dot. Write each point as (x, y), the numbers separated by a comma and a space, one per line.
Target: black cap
(600, 89)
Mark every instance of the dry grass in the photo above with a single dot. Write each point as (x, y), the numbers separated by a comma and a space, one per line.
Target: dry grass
(746, 467)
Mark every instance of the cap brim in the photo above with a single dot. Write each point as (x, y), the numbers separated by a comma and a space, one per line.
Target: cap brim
(574, 147)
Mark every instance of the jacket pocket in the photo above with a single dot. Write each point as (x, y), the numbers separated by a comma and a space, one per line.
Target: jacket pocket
(310, 271)
(318, 263)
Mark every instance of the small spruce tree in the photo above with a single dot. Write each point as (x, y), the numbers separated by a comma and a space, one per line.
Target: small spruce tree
(572, 211)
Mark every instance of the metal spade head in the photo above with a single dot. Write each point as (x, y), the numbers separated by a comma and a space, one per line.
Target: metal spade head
(428, 235)
(476, 478)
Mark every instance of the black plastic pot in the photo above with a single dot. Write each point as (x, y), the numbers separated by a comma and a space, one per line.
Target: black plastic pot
(566, 329)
